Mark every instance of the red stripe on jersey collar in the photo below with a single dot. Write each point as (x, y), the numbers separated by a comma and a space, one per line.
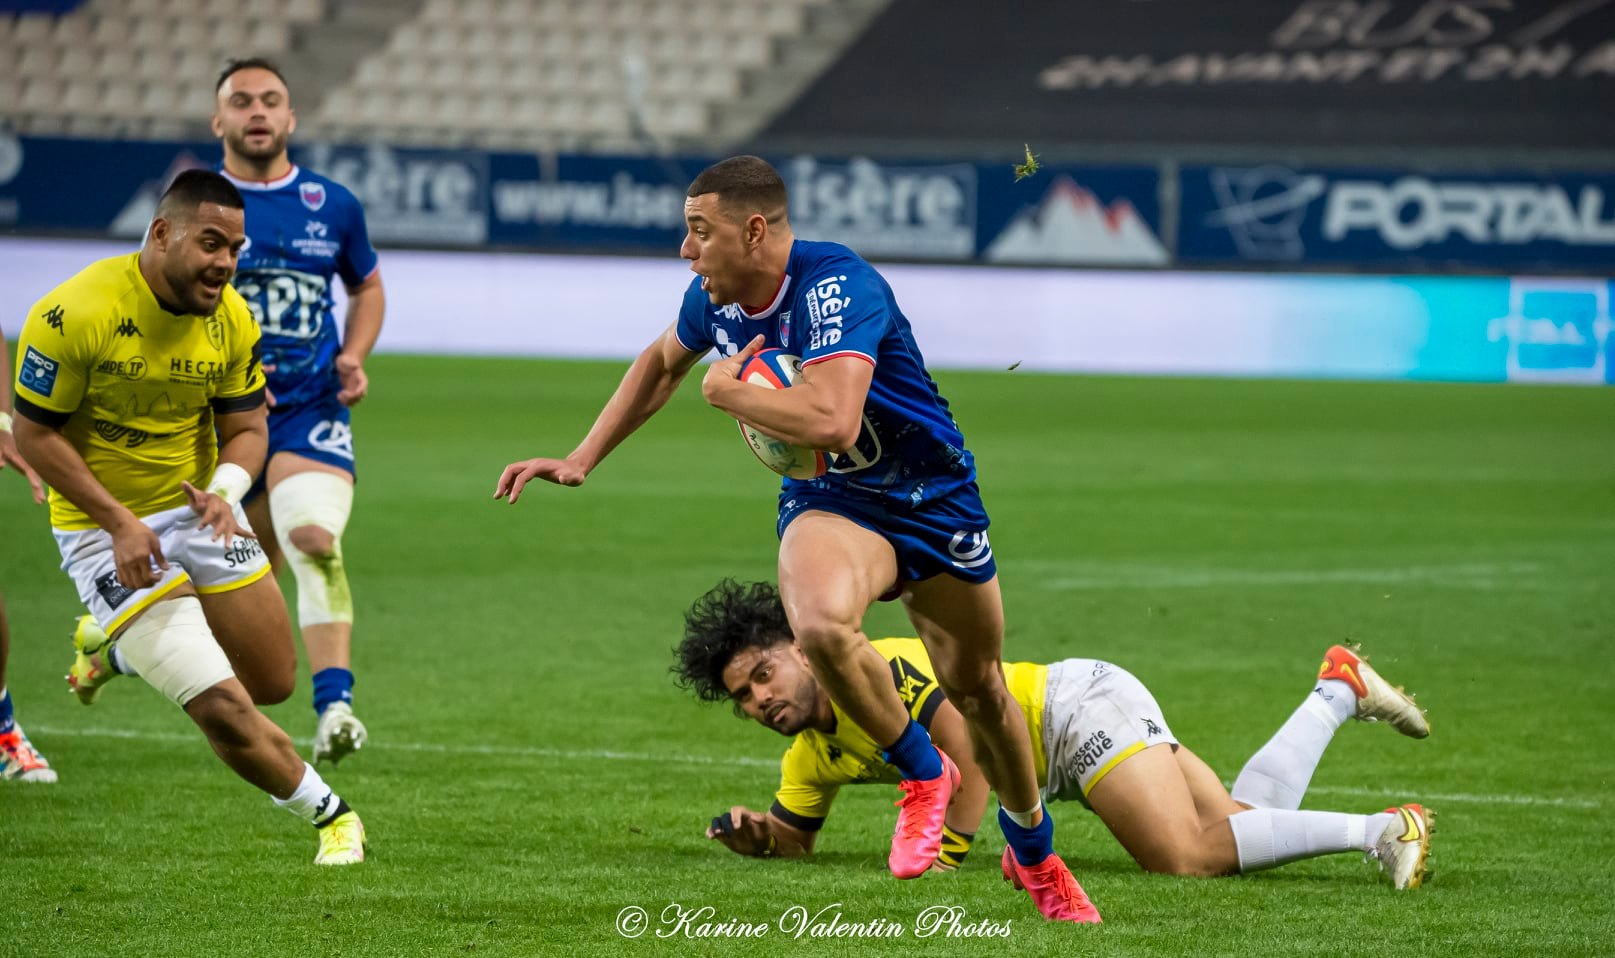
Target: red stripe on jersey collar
(763, 312)
(273, 184)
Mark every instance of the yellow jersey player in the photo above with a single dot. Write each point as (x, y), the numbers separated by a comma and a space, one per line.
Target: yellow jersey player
(1098, 738)
(140, 400)
(19, 760)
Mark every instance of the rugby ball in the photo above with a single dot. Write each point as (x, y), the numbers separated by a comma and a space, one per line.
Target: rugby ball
(778, 369)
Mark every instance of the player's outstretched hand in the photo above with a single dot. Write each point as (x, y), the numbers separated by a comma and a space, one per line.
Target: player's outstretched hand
(725, 371)
(137, 554)
(562, 472)
(355, 384)
(9, 456)
(740, 830)
(216, 514)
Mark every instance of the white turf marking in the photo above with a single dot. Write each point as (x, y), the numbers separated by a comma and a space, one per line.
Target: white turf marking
(742, 761)
(1466, 575)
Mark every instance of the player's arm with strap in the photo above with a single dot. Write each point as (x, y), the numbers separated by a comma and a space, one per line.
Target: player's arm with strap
(52, 376)
(241, 418)
(9, 456)
(792, 823)
(760, 835)
(647, 386)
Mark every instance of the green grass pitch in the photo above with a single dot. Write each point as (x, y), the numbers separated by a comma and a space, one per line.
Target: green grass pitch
(533, 770)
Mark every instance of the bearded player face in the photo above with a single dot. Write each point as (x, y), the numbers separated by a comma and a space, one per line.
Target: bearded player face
(253, 115)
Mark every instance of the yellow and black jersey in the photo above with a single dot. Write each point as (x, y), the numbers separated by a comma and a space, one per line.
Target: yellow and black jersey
(816, 764)
(133, 386)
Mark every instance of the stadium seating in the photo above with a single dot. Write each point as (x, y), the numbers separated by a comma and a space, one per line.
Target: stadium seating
(456, 72)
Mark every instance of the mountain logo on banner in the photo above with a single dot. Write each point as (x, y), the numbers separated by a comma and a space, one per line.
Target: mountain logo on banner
(132, 220)
(1071, 225)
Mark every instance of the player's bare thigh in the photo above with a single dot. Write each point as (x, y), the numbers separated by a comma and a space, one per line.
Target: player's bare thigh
(962, 624)
(283, 465)
(1147, 802)
(831, 570)
(252, 626)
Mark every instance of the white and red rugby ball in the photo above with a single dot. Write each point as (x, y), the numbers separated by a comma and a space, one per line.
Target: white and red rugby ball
(778, 369)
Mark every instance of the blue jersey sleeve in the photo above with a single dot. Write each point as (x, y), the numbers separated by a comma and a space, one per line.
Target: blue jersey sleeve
(693, 331)
(848, 314)
(358, 258)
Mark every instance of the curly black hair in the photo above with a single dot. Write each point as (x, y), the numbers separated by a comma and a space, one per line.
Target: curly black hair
(731, 617)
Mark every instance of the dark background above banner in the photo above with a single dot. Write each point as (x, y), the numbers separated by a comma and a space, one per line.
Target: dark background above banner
(1500, 75)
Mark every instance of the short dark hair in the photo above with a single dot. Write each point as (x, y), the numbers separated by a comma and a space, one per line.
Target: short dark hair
(250, 63)
(732, 617)
(745, 185)
(192, 188)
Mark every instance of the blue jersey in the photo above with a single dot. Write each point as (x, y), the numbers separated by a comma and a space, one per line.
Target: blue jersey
(302, 230)
(833, 304)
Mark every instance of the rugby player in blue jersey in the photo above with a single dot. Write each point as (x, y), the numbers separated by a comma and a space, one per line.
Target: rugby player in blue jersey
(304, 233)
(897, 515)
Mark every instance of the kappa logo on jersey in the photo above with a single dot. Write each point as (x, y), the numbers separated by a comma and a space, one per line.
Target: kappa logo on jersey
(824, 307)
(127, 327)
(970, 549)
(332, 437)
(113, 592)
(911, 683)
(38, 372)
(53, 319)
(312, 195)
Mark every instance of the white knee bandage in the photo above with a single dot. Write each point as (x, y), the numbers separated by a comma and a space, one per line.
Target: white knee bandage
(173, 649)
(324, 500)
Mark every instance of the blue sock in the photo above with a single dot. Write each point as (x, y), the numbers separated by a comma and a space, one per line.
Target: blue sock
(7, 721)
(1031, 845)
(332, 685)
(914, 755)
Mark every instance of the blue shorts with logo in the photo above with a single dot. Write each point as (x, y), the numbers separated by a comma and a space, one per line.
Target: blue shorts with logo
(321, 430)
(948, 536)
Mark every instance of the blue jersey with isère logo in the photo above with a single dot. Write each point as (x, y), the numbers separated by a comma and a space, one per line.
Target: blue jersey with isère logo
(302, 231)
(833, 304)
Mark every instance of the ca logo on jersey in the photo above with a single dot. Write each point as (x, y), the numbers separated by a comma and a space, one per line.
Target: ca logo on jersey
(332, 437)
(970, 549)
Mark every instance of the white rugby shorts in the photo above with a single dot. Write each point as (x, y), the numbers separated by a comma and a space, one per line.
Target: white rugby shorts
(1095, 715)
(193, 556)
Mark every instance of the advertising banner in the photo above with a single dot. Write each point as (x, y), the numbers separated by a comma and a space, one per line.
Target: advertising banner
(1289, 216)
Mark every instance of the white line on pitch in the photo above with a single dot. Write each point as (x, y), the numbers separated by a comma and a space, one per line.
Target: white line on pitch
(740, 761)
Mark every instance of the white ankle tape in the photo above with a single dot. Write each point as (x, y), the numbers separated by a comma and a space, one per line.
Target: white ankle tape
(172, 648)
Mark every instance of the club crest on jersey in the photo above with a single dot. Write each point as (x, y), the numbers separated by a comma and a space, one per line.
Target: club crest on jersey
(785, 328)
(312, 194)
